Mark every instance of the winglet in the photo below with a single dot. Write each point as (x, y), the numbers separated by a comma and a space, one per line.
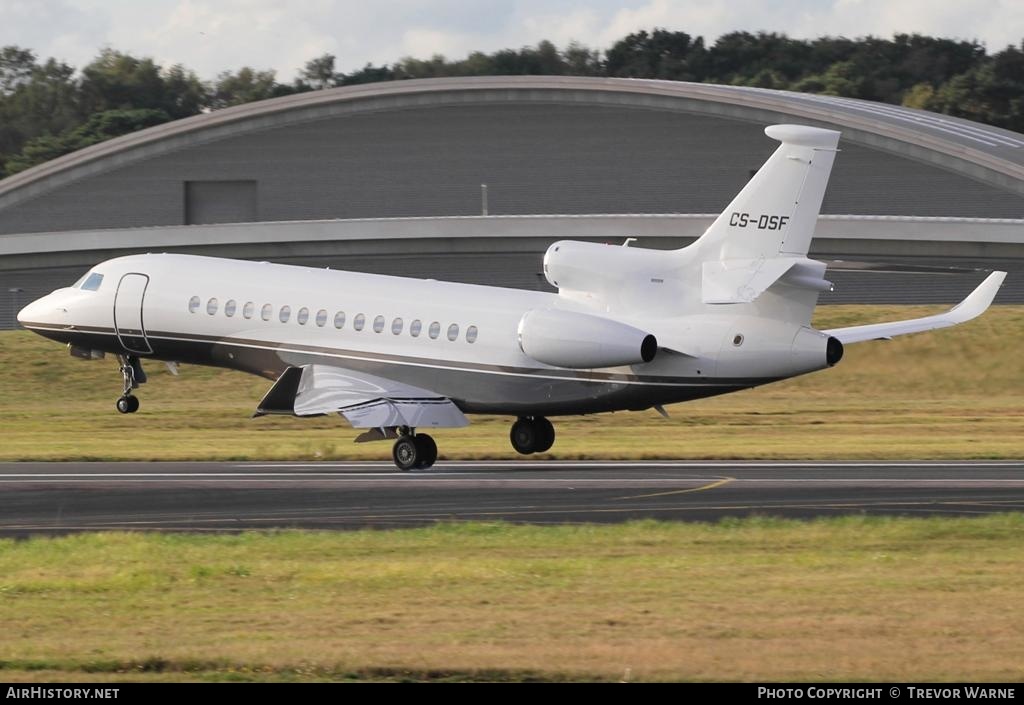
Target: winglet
(976, 303)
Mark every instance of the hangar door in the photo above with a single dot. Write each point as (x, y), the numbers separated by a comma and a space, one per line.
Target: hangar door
(220, 202)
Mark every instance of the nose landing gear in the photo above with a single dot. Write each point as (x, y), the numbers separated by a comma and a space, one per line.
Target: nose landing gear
(133, 375)
(532, 434)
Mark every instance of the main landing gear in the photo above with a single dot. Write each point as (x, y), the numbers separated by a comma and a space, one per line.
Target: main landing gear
(532, 434)
(133, 375)
(414, 451)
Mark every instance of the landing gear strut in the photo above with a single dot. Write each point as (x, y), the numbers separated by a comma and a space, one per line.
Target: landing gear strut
(532, 434)
(411, 451)
(133, 375)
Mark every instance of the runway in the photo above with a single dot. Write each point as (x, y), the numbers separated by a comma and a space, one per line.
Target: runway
(49, 498)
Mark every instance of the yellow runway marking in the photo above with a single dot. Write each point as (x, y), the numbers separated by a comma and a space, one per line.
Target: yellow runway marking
(702, 488)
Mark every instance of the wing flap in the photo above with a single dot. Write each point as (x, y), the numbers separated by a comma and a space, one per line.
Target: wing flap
(973, 306)
(366, 401)
(415, 413)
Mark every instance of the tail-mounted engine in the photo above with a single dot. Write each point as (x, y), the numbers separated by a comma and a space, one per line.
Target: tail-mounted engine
(582, 341)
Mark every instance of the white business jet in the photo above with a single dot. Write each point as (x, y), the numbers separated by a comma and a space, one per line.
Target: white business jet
(629, 328)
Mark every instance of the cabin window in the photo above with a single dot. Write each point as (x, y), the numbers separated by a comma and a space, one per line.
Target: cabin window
(321, 318)
(211, 306)
(435, 330)
(738, 340)
(339, 319)
(378, 324)
(453, 331)
(303, 316)
(285, 314)
(230, 307)
(266, 312)
(415, 327)
(248, 309)
(193, 304)
(396, 326)
(92, 283)
(471, 334)
(359, 322)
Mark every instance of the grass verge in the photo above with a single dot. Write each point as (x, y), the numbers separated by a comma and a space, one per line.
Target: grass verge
(853, 598)
(948, 394)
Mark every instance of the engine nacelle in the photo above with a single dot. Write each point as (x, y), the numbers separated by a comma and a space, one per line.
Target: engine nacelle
(812, 348)
(583, 341)
(588, 266)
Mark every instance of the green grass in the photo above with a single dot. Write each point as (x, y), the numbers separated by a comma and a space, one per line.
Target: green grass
(760, 599)
(948, 394)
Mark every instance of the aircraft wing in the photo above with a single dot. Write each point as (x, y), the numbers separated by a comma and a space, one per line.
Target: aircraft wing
(365, 400)
(973, 306)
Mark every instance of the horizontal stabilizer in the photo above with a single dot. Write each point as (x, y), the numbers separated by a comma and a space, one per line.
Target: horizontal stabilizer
(971, 307)
(840, 265)
(741, 281)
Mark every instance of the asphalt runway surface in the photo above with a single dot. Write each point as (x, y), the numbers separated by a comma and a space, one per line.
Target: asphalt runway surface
(48, 498)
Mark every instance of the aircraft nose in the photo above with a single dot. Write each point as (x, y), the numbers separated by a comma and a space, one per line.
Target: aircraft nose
(44, 310)
(25, 314)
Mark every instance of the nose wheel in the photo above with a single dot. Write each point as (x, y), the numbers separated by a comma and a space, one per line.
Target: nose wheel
(533, 434)
(133, 375)
(128, 404)
(414, 452)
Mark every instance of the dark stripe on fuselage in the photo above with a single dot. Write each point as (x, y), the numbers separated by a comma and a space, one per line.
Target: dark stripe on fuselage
(475, 388)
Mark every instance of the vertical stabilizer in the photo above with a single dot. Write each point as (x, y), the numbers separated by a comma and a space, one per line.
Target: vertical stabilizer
(776, 212)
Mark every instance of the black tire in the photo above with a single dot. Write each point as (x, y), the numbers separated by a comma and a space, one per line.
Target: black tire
(524, 436)
(427, 450)
(133, 404)
(545, 434)
(123, 405)
(406, 453)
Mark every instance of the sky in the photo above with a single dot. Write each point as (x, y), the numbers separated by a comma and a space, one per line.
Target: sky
(210, 36)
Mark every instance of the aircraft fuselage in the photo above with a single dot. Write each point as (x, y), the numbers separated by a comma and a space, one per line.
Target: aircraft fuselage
(175, 308)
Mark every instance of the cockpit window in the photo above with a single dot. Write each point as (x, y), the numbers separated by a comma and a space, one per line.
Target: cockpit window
(92, 282)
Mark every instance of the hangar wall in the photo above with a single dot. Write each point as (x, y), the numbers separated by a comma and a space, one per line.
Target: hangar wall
(535, 158)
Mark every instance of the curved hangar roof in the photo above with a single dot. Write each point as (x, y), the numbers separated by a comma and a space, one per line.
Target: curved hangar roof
(542, 144)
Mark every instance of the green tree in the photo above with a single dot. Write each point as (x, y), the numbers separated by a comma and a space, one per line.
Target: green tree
(98, 128)
(581, 61)
(367, 74)
(116, 81)
(920, 96)
(46, 103)
(16, 68)
(246, 86)
(992, 93)
(319, 73)
(184, 93)
(661, 54)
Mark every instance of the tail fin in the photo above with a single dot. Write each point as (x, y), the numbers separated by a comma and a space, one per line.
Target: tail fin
(775, 213)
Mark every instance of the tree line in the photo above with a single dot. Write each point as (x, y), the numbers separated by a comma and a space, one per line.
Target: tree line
(48, 108)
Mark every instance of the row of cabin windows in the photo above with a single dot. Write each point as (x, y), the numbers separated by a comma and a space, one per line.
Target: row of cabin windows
(284, 314)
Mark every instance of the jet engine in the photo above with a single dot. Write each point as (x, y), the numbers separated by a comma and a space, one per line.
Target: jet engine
(583, 341)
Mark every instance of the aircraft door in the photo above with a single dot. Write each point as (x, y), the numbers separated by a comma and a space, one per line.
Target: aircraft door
(128, 306)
